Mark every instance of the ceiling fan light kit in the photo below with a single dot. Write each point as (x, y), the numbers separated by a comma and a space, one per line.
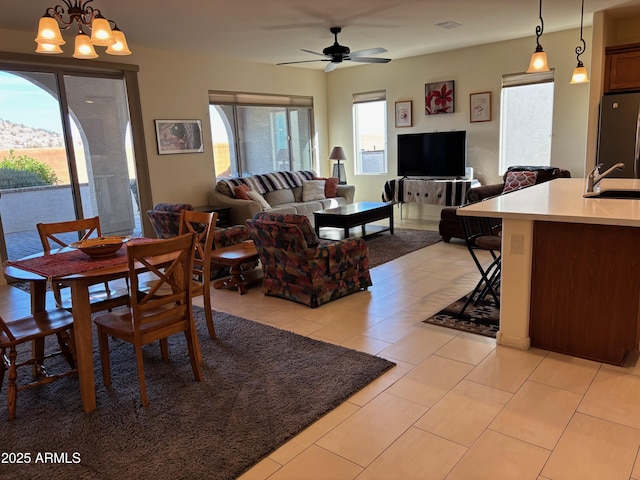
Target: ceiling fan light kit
(336, 54)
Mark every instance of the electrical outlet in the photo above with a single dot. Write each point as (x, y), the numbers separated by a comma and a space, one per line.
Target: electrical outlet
(516, 246)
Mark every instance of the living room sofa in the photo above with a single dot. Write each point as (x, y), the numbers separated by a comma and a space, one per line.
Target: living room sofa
(290, 192)
(515, 178)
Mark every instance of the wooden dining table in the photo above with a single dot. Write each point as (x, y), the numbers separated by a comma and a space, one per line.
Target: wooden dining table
(78, 271)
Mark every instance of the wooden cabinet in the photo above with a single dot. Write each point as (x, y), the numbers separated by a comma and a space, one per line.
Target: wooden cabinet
(622, 68)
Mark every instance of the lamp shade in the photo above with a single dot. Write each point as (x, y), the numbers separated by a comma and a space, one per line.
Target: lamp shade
(49, 31)
(49, 48)
(538, 62)
(84, 49)
(120, 47)
(337, 154)
(579, 75)
(101, 34)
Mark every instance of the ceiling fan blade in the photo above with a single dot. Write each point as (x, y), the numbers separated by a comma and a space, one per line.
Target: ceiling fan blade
(369, 51)
(314, 53)
(330, 67)
(301, 61)
(369, 60)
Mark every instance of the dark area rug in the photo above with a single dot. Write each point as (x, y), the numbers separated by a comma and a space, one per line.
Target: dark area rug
(482, 319)
(262, 386)
(386, 247)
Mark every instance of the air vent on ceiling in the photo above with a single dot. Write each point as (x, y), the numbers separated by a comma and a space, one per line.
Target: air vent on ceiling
(448, 25)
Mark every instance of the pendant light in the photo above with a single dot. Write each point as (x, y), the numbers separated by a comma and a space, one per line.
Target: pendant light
(580, 72)
(539, 58)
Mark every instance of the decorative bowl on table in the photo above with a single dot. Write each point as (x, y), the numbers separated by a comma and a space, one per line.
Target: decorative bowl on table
(101, 246)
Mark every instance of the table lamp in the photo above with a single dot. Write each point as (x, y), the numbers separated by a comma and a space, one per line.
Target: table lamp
(338, 168)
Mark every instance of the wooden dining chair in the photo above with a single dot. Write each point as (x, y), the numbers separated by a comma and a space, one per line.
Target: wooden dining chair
(153, 316)
(13, 333)
(202, 225)
(62, 234)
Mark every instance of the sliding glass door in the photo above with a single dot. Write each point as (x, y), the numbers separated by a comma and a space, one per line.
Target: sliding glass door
(65, 153)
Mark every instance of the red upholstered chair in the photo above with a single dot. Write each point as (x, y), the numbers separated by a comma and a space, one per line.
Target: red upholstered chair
(300, 267)
(165, 218)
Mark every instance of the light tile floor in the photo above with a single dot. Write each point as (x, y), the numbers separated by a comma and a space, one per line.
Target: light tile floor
(456, 406)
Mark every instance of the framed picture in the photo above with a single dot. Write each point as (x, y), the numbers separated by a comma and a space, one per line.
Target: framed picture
(179, 136)
(480, 107)
(403, 113)
(438, 98)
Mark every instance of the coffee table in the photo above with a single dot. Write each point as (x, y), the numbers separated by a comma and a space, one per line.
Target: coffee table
(234, 256)
(347, 217)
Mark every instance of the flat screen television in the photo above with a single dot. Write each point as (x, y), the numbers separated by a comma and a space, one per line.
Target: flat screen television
(434, 154)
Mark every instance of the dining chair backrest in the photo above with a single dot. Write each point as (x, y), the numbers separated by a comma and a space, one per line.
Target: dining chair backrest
(51, 234)
(202, 225)
(173, 307)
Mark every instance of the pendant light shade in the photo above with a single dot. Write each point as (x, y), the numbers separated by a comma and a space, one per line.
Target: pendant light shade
(539, 61)
(580, 72)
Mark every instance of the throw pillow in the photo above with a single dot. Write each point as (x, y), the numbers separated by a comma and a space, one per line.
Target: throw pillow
(519, 179)
(241, 192)
(256, 197)
(330, 186)
(313, 190)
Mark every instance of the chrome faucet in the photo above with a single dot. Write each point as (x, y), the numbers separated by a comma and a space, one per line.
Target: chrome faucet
(594, 177)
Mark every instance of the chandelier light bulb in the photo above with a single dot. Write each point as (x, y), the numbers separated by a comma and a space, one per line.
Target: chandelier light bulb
(579, 75)
(538, 62)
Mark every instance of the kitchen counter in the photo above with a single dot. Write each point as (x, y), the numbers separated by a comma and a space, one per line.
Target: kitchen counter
(570, 271)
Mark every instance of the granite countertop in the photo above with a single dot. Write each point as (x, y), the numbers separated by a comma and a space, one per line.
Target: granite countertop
(561, 200)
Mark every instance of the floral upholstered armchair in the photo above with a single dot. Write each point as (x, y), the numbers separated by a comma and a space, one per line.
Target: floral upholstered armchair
(165, 220)
(300, 267)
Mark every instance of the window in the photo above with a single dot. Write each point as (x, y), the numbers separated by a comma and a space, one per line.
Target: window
(370, 132)
(526, 119)
(255, 133)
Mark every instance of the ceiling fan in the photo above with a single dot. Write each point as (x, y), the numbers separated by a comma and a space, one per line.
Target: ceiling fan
(337, 53)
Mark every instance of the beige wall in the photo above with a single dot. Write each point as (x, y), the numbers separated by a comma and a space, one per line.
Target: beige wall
(477, 69)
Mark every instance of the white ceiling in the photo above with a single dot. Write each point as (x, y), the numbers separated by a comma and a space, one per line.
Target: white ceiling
(273, 31)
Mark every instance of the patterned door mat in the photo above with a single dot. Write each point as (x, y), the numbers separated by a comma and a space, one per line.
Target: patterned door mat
(481, 319)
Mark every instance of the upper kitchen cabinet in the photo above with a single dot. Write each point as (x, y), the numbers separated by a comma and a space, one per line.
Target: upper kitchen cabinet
(622, 68)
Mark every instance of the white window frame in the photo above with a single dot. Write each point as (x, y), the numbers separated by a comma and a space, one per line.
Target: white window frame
(359, 165)
(534, 147)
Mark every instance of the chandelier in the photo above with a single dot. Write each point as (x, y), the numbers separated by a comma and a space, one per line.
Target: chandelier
(104, 32)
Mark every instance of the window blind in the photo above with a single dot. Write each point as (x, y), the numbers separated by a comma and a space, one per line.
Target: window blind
(258, 99)
(369, 96)
(517, 79)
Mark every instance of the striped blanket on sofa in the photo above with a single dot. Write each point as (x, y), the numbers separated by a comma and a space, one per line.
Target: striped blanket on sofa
(268, 182)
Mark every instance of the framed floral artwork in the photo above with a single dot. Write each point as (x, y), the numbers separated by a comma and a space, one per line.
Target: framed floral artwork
(480, 107)
(403, 113)
(438, 98)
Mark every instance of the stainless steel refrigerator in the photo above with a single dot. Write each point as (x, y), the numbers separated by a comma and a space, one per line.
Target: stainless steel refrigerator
(618, 135)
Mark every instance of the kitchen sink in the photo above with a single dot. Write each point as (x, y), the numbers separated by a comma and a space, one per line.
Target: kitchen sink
(614, 193)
